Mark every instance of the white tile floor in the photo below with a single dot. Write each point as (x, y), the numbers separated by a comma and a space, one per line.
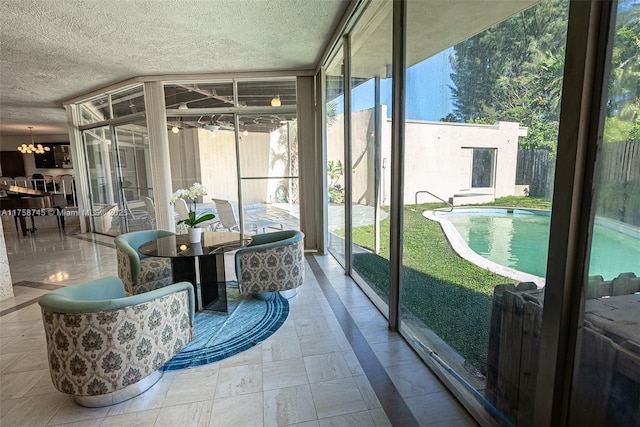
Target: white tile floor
(306, 374)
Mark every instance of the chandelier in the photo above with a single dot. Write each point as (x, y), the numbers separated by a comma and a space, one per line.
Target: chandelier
(33, 147)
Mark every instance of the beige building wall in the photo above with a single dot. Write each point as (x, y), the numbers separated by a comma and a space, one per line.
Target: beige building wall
(199, 156)
(437, 157)
(218, 164)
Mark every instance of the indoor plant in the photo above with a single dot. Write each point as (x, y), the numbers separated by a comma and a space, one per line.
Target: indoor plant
(190, 196)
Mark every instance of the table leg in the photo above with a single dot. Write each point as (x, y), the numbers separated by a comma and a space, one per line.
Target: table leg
(212, 282)
(184, 270)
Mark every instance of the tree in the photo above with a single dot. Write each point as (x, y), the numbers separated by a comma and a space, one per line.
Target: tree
(513, 72)
(450, 118)
(623, 104)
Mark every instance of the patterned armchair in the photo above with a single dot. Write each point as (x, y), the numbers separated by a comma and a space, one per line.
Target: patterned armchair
(105, 347)
(139, 272)
(271, 262)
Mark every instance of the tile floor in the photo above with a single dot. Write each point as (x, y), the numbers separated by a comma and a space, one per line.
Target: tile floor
(329, 365)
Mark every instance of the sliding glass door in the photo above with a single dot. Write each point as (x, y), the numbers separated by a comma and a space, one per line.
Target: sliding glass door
(334, 86)
(370, 148)
(606, 381)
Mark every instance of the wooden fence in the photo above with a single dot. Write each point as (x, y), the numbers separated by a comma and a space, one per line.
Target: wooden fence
(618, 185)
(536, 168)
(621, 161)
(608, 385)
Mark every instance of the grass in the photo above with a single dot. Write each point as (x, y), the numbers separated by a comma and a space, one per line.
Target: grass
(449, 294)
(522, 202)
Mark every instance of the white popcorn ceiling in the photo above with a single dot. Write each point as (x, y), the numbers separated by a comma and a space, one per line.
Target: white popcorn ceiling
(54, 50)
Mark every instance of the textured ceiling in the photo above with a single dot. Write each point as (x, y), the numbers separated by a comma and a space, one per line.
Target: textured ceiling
(51, 51)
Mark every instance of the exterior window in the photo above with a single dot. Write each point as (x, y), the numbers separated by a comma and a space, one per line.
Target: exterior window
(483, 166)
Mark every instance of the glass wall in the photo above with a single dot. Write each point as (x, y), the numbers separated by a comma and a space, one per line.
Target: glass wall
(119, 172)
(370, 143)
(118, 167)
(606, 382)
(482, 113)
(268, 152)
(245, 154)
(134, 173)
(478, 114)
(104, 203)
(334, 93)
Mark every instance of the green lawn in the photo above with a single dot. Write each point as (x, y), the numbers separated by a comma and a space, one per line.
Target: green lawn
(522, 202)
(448, 294)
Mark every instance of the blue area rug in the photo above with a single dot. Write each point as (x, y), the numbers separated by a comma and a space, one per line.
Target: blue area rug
(218, 336)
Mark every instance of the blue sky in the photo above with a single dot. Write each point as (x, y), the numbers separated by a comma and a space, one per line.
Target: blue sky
(428, 90)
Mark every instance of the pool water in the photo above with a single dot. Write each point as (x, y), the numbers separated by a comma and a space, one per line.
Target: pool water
(520, 240)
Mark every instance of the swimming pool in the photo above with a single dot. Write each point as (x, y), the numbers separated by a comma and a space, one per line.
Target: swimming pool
(519, 239)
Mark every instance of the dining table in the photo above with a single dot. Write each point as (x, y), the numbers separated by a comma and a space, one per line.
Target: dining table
(201, 263)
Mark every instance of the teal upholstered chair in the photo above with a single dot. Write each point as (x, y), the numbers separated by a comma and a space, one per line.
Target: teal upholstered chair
(271, 262)
(105, 347)
(139, 272)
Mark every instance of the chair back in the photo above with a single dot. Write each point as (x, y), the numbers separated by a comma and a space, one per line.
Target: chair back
(103, 345)
(225, 214)
(48, 180)
(66, 183)
(130, 260)
(38, 182)
(182, 209)
(22, 181)
(272, 262)
(150, 207)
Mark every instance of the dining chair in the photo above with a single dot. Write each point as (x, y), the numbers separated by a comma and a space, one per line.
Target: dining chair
(182, 212)
(48, 180)
(67, 185)
(38, 182)
(22, 181)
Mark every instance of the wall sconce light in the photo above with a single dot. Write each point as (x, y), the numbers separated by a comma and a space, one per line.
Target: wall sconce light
(275, 101)
(245, 133)
(175, 129)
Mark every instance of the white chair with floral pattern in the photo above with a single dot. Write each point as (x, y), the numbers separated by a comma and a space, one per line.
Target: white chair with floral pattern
(105, 347)
(139, 272)
(272, 262)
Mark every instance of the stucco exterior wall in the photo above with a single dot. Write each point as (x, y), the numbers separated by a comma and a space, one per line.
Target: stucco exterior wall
(214, 164)
(218, 164)
(435, 157)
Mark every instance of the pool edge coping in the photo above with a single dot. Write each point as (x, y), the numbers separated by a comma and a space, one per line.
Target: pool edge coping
(464, 251)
